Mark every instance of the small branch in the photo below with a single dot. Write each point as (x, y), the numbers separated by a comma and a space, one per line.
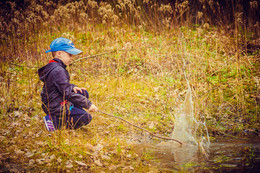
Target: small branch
(142, 128)
(93, 56)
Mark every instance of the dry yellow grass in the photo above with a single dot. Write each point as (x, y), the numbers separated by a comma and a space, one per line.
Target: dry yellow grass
(140, 78)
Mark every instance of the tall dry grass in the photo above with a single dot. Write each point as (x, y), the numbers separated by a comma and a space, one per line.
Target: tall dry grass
(149, 38)
(146, 45)
(161, 33)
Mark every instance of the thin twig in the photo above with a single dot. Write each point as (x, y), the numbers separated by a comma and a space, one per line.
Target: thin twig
(92, 56)
(109, 52)
(142, 128)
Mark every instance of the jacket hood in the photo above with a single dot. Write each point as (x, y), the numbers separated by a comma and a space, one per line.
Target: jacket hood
(45, 70)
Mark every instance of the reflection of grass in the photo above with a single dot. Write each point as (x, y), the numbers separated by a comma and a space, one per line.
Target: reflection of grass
(222, 158)
(190, 164)
(249, 156)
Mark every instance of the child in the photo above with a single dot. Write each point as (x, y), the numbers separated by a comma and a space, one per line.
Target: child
(63, 101)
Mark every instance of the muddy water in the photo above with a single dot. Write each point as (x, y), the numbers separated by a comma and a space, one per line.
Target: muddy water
(199, 154)
(225, 155)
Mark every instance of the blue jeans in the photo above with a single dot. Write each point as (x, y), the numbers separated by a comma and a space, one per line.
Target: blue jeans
(75, 118)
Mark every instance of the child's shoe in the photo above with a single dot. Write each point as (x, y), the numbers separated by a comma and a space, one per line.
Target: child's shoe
(48, 123)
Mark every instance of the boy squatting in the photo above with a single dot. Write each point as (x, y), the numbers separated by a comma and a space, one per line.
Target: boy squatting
(64, 101)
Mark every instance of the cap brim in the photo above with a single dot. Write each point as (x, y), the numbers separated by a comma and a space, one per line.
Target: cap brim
(74, 51)
(47, 51)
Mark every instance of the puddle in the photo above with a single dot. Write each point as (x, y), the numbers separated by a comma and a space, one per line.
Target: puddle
(225, 155)
(199, 154)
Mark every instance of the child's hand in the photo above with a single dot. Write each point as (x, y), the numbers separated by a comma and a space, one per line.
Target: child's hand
(93, 108)
(76, 89)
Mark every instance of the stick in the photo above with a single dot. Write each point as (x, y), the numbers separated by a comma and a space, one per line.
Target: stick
(93, 56)
(142, 128)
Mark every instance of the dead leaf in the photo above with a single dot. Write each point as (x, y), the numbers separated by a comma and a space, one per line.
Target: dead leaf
(2, 138)
(90, 147)
(40, 161)
(19, 152)
(41, 143)
(29, 154)
(81, 163)
(67, 142)
(105, 157)
(69, 164)
(59, 160)
(151, 125)
(128, 168)
(28, 125)
(156, 89)
(98, 163)
(98, 147)
(31, 162)
(52, 157)
(15, 124)
(17, 114)
(26, 117)
(38, 134)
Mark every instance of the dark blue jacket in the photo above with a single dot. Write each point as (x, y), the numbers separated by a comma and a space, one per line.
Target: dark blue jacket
(57, 92)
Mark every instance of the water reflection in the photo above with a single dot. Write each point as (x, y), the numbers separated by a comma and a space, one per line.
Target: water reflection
(225, 155)
(179, 154)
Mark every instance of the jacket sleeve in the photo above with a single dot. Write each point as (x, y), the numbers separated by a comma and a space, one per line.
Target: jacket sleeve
(61, 81)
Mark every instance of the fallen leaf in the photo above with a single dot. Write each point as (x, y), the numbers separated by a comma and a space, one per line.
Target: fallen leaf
(28, 125)
(31, 162)
(26, 117)
(90, 147)
(128, 168)
(52, 157)
(98, 163)
(40, 161)
(98, 147)
(41, 143)
(67, 142)
(6, 132)
(2, 138)
(15, 124)
(59, 160)
(151, 125)
(105, 157)
(29, 154)
(19, 152)
(81, 163)
(17, 114)
(156, 89)
(69, 164)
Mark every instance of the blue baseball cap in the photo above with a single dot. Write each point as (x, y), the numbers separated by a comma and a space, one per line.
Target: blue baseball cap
(63, 44)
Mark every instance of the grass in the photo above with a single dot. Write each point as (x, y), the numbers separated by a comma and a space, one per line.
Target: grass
(143, 85)
(140, 79)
